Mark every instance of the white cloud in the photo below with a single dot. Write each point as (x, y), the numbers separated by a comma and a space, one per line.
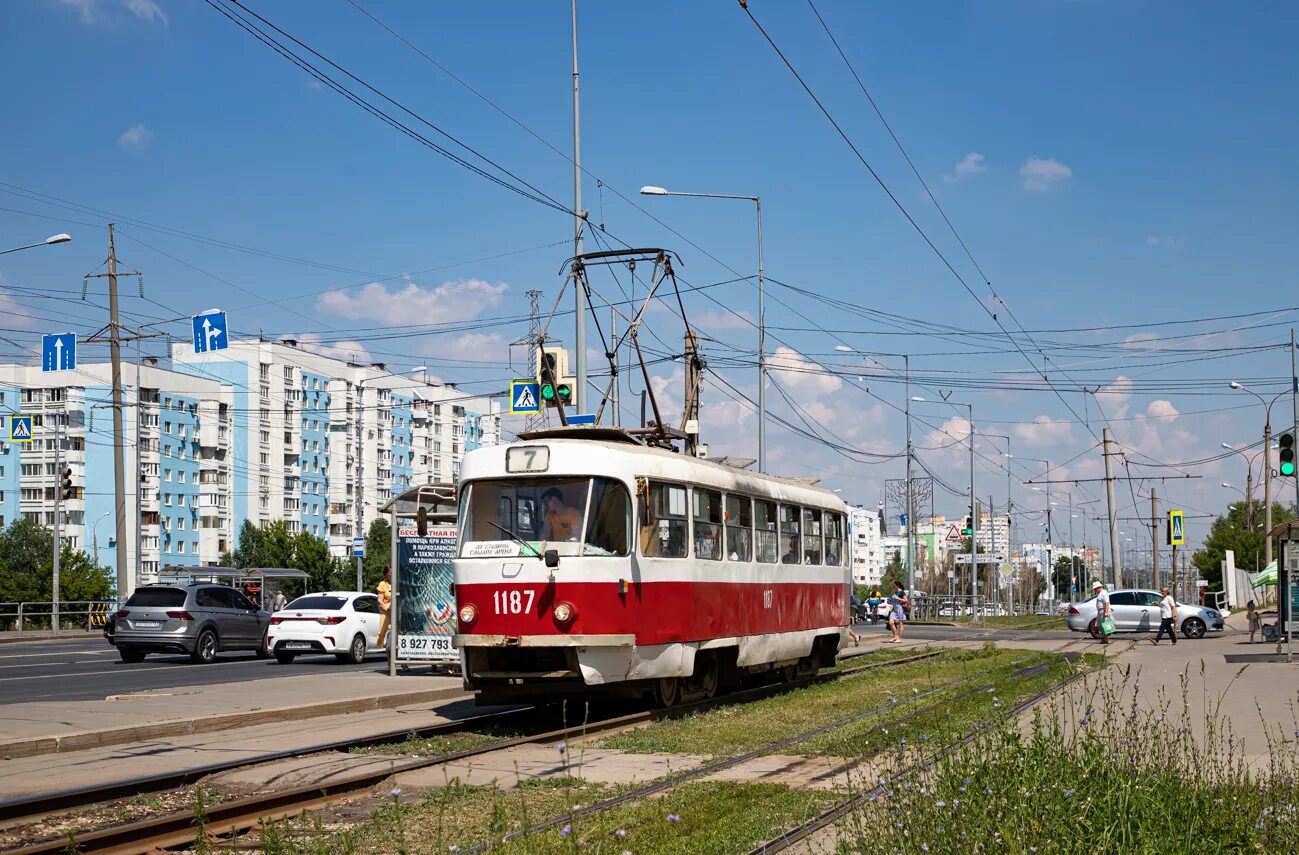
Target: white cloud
(349, 350)
(797, 372)
(1163, 242)
(1044, 431)
(12, 310)
(137, 138)
(451, 301)
(1043, 174)
(971, 164)
(92, 11)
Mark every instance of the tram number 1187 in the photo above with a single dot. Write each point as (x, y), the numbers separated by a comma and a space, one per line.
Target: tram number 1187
(514, 602)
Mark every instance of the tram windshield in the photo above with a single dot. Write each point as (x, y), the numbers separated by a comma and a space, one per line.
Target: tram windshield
(525, 516)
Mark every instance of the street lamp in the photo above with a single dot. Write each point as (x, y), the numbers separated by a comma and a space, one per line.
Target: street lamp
(1267, 462)
(1249, 479)
(650, 190)
(49, 241)
(974, 530)
(94, 535)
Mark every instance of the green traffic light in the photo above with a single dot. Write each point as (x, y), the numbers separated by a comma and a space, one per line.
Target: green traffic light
(1287, 468)
(548, 392)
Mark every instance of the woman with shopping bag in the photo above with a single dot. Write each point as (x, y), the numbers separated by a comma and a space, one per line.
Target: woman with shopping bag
(1103, 619)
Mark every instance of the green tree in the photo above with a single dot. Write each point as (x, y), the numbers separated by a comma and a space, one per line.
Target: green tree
(27, 567)
(248, 551)
(378, 552)
(1232, 532)
(311, 554)
(277, 544)
(1065, 570)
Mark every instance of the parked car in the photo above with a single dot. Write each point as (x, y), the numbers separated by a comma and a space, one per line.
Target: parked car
(200, 619)
(858, 609)
(1137, 610)
(344, 623)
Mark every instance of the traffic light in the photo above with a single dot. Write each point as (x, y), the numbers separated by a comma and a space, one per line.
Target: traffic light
(1287, 454)
(552, 376)
(68, 489)
(967, 526)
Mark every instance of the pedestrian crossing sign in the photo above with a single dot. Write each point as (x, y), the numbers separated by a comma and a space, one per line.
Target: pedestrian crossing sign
(1176, 535)
(20, 428)
(525, 397)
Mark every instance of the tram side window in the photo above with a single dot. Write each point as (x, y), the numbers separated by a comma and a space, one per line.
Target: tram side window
(708, 525)
(811, 536)
(608, 530)
(834, 539)
(739, 528)
(665, 529)
(790, 536)
(766, 539)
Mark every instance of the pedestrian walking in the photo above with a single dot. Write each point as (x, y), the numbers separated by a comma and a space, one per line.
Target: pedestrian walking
(1104, 622)
(1167, 618)
(280, 600)
(898, 603)
(1255, 622)
(385, 605)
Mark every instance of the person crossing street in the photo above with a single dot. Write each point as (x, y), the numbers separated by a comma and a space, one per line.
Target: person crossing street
(1167, 618)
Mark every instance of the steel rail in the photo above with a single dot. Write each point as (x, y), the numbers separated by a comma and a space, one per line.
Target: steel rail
(243, 814)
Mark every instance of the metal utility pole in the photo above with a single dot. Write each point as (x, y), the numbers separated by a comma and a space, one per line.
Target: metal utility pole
(359, 415)
(1267, 488)
(1115, 554)
(911, 553)
(1154, 536)
(762, 353)
(58, 504)
(692, 378)
(1294, 388)
(974, 524)
(579, 217)
(114, 330)
(537, 421)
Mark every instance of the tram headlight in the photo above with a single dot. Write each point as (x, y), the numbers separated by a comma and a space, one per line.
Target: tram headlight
(565, 612)
(468, 613)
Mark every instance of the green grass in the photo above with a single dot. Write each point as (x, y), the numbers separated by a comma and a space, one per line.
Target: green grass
(1100, 775)
(432, 746)
(1051, 622)
(735, 729)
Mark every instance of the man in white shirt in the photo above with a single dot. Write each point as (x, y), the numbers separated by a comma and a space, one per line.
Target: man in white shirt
(1167, 618)
(1102, 608)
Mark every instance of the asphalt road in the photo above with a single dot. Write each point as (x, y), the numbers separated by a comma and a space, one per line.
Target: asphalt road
(89, 670)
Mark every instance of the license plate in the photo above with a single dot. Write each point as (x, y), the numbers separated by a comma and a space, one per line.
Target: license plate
(298, 645)
(146, 624)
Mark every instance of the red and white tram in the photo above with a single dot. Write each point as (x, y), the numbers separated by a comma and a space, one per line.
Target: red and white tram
(589, 562)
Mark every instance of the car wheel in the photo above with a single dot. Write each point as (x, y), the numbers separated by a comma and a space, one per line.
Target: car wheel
(356, 652)
(1094, 629)
(129, 655)
(284, 657)
(263, 649)
(205, 649)
(1193, 628)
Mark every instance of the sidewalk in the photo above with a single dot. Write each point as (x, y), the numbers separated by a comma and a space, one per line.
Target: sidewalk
(1248, 687)
(14, 637)
(46, 727)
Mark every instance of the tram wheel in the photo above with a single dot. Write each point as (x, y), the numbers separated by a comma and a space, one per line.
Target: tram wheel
(787, 673)
(709, 677)
(666, 691)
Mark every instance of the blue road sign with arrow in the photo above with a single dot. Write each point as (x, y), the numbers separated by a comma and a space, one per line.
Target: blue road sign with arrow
(59, 352)
(210, 332)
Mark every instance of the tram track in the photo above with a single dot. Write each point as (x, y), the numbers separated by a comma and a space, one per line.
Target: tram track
(239, 815)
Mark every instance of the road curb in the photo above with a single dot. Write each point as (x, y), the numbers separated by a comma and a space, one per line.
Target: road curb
(81, 740)
(70, 634)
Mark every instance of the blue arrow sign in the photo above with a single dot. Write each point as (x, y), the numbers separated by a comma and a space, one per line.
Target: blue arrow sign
(59, 352)
(582, 419)
(20, 428)
(210, 332)
(525, 397)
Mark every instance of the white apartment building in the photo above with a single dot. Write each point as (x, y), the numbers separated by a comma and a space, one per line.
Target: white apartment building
(178, 462)
(328, 441)
(868, 562)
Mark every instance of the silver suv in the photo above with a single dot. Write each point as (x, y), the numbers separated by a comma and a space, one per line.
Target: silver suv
(199, 619)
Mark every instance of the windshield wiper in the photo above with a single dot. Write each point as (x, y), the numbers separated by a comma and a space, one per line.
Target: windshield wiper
(515, 538)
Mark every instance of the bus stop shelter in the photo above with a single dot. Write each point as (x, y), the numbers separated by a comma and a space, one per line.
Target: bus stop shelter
(258, 584)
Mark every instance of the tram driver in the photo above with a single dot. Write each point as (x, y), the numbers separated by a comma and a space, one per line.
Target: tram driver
(561, 522)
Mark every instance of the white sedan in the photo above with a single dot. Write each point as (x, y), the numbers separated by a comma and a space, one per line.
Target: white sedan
(344, 623)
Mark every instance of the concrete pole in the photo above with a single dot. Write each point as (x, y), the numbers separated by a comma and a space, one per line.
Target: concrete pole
(359, 415)
(1267, 488)
(119, 453)
(1115, 553)
(58, 505)
(762, 351)
(911, 552)
(1154, 535)
(974, 523)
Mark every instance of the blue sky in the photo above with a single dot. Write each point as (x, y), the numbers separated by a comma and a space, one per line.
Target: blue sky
(1125, 163)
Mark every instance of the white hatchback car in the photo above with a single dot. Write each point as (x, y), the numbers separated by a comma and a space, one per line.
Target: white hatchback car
(344, 623)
